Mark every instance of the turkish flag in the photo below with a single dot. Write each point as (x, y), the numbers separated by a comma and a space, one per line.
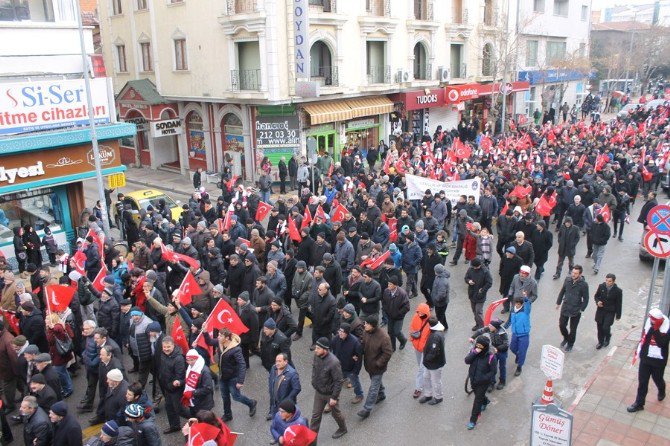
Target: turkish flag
(298, 435)
(189, 287)
(606, 213)
(491, 308)
(293, 230)
(461, 150)
(400, 167)
(330, 169)
(485, 143)
(79, 261)
(172, 256)
(179, 336)
(59, 297)
(199, 433)
(262, 211)
(320, 213)
(340, 212)
(99, 282)
(245, 241)
(306, 218)
(520, 191)
(98, 240)
(503, 211)
(387, 163)
(544, 205)
(582, 160)
(375, 263)
(138, 292)
(601, 160)
(227, 221)
(11, 321)
(231, 183)
(222, 316)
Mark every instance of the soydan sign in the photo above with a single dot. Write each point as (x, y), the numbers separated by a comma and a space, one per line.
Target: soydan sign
(33, 106)
(301, 32)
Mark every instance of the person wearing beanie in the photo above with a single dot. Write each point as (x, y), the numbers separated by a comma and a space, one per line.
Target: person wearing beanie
(273, 342)
(411, 261)
(67, 429)
(395, 304)
(542, 241)
(146, 432)
(347, 348)
(349, 315)
(327, 381)
(288, 415)
(377, 352)
(510, 264)
(500, 343)
(434, 359)
(479, 280)
(249, 317)
(370, 293)
(483, 365)
(282, 316)
(32, 325)
(46, 397)
(653, 355)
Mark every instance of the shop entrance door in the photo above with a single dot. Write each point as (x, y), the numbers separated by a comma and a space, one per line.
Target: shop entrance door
(325, 142)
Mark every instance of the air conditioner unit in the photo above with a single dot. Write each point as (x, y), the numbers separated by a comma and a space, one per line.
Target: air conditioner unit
(402, 75)
(443, 74)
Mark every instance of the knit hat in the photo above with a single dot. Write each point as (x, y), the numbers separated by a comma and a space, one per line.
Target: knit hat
(477, 261)
(497, 323)
(59, 408)
(345, 327)
(109, 279)
(270, 324)
(393, 247)
(31, 268)
(244, 295)
(278, 300)
(218, 288)
(328, 257)
(301, 264)
(323, 342)
(287, 406)
(126, 302)
(115, 375)
(19, 341)
(202, 224)
(186, 241)
(136, 311)
(151, 276)
(511, 249)
(154, 327)
(43, 357)
(349, 308)
(28, 306)
(74, 276)
(134, 411)
(38, 379)
(111, 429)
(32, 350)
(192, 354)
(483, 340)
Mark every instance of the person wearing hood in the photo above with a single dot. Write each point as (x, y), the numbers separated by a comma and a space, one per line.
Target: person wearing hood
(568, 237)
(19, 248)
(32, 325)
(500, 345)
(434, 359)
(483, 365)
(395, 304)
(572, 301)
(232, 371)
(288, 415)
(419, 330)
(140, 346)
(440, 293)
(479, 280)
(653, 354)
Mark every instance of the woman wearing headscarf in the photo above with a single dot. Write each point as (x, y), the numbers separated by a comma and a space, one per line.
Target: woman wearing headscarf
(33, 245)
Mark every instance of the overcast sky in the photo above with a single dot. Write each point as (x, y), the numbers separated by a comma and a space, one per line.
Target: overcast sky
(600, 4)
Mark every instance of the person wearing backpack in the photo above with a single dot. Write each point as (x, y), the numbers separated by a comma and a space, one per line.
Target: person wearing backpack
(59, 337)
(482, 369)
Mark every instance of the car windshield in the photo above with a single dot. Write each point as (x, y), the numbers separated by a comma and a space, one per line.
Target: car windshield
(153, 201)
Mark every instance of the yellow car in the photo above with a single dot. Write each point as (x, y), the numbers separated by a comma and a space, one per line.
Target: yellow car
(141, 199)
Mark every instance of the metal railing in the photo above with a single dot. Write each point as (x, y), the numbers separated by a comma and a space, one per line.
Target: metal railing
(423, 72)
(379, 8)
(423, 10)
(245, 80)
(240, 6)
(328, 5)
(379, 74)
(327, 76)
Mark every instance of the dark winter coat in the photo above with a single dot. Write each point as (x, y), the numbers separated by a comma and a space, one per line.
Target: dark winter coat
(542, 243)
(396, 305)
(508, 268)
(434, 356)
(231, 363)
(567, 240)
(34, 329)
(611, 300)
(600, 233)
(37, 430)
(324, 310)
(283, 386)
(108, 316)
(235, 279)
(373, 293)
(483, 366)
(249, 318)
(377, 351)
(411, 258)
(284, 320)
(173, 367)
(482, 282)
(440, 289)
(203, 395)
(67, 432)
(345, 350)
(428, 270)
(526, 252)
(114, 401)
(272, 346)
(327, 375)
(574, 296)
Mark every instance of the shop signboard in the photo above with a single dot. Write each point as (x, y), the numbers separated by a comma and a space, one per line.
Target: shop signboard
(420, 99)
(466, 92)
(277, 131)
(44, 105)
(24, 168)
(168, 127)
(301, 33)
(550, 426)
(361, 123)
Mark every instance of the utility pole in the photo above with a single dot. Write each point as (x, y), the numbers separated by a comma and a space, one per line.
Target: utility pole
(504, 74)
(91, 120)
(630, 53)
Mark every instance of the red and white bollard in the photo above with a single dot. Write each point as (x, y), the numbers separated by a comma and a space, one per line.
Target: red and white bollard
(548, 394)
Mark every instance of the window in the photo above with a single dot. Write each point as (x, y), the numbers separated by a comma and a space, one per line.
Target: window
(121, 58)
(487, 60)
(561, 7)
(421, 70)
(538, 6)
(582, 50)
(146, 56)
(37, 208)
(531, 53)
(180, 62)
(456, 51)
(488, 13)
(141, 5)
(116, 7)
(555, 51)
(377, 70)
(585, 13)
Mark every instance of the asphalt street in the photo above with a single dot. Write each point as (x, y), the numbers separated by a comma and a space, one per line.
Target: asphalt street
(400, 420)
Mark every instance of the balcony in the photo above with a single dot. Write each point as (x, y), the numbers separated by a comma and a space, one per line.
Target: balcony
(240, 7)
(326, 5)
(423, 10)
(325, 76)
(423, 72)
(379, 8)
(245, 80)
(379, 74)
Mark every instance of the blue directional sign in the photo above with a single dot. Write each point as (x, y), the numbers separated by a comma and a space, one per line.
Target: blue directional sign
(658, 219)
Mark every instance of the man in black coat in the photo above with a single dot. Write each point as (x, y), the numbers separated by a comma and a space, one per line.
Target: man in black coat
(43, 365)
(171, 378)
(568, 237)
(273, 342)
(32, 326)
(648, 205)
(608, 301)
(324, 311)
(428, 263)
(524, 248)
(479, 280)
(572, 301)
(37, 430)
(45, 395)
(305, 247)
(113, 400)
(249, 317)
(509, 266)
(67, 430)
(542, 241)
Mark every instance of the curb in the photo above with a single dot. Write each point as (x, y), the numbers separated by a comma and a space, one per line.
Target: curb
(596, 373)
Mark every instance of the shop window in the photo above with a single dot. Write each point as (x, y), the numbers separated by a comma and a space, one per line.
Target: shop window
(121, 59)
(196, 136)
(421, 69)
(487, 60)
(561, 7)
(180, 55)
(147, 64)
(531, 53)
(38, 208)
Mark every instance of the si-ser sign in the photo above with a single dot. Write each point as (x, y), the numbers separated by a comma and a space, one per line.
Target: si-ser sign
(168, 127)
(277, 131)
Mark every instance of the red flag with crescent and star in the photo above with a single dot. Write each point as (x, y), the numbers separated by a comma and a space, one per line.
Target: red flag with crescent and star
(262, 211)
(320, 213)
(189, 287)
(172, 256)
(11, 321)
(606, 213)
(59, 297)
(340, 212)
(222, 316)
(306, 218)
(79, 261)
(179, 336)
(99, 282)
(298, 435)
(461, 150)
(293, 230)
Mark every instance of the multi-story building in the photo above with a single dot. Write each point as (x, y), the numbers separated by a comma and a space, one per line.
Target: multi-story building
(551, 48)
(652, 13)
(239, 78)
(45, 148)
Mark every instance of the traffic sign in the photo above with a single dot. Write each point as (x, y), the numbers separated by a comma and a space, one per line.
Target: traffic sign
(657, 245)
(658, 219)
(117, 180)
(506, 89)
(552, 361)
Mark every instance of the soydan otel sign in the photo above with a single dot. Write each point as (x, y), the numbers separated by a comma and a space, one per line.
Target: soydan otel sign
(35, 106)
(24, 168)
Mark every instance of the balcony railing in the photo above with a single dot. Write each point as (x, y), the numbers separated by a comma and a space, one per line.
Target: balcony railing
(326, 76)
(327, 5)
(423, 72)
(240, 6)
(379, 8)
(245, 80)
(379, 74)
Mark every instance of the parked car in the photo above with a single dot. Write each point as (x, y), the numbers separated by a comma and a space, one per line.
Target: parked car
(141, 199)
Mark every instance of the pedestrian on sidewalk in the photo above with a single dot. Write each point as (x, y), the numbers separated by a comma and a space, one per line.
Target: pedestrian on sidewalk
(434, 359)
(482, 369)
(479, 281)
(572, 300)
(197, 178)
(653, 354)
(608, 300)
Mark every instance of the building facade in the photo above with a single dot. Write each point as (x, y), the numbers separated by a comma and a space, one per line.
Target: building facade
(233, 79)
(45, 149)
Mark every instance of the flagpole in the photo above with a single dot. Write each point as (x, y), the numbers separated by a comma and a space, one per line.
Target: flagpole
(46, 292)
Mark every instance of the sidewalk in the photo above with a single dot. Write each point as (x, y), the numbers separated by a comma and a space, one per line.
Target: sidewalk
(600, 416)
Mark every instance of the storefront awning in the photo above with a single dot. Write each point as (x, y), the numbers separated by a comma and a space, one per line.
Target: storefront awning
(370, 106)
(328, 112)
